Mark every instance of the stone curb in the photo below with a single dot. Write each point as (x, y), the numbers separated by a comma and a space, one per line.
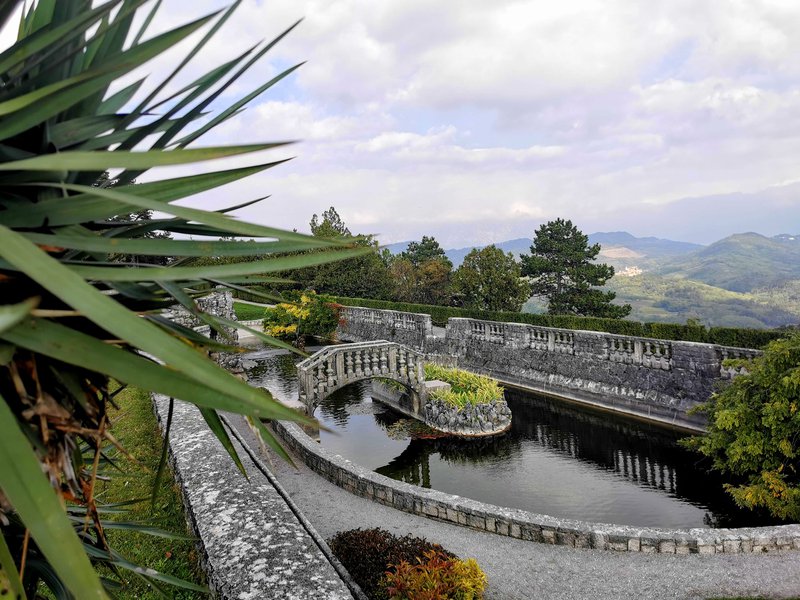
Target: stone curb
(250, 542)
(526, 525)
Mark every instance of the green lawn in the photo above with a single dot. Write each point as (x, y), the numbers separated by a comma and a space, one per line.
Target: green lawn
(248, 312)
(136, 428)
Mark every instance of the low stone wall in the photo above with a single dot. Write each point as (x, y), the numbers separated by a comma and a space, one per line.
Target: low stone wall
(218, 303)
(530, 526)
(367, 324)
(251, 543)
(660, 380)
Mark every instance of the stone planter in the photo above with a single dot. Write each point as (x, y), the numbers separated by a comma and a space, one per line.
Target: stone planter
(471, 421)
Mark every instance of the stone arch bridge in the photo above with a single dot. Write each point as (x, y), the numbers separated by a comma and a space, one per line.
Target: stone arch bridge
(334, 367)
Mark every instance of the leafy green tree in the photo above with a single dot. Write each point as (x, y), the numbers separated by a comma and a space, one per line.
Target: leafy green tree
(434, 282)
(404, 279)
(74, 325)
(331, 225)
(422, 273)
(489, 279)
(365, 276)
(426, 249)
(754, 430)
(561, 269)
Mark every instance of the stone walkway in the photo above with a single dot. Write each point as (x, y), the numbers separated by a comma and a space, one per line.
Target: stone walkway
(520, 570)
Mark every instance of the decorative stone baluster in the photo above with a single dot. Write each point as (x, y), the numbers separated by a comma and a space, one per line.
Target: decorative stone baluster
(348, 365)
(384, 361)
(359, 364)
(375, 368)
(330, 371)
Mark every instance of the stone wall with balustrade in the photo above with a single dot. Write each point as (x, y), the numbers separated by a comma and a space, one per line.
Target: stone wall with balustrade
(656, 379)
(364, 324)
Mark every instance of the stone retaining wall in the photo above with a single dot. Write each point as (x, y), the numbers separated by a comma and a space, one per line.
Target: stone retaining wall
(251, 543)
(526, 525)
(656, 379)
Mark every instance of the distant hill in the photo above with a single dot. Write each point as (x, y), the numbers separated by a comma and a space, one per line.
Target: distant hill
(740, 263)
(620, 248)
(397, 247)
(744, 280)
(517, 246)
(650, 247)
(674, 300)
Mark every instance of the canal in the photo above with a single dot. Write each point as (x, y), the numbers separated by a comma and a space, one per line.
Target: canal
(558, 459)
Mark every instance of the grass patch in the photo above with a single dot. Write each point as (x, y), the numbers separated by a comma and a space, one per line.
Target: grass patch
(466, 388)
(248, 312)
(136, 428)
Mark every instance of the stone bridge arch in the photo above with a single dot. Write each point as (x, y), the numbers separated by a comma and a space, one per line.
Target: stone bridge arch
(334, 367)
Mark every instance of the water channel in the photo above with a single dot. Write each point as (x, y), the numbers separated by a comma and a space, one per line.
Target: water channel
(558, 458)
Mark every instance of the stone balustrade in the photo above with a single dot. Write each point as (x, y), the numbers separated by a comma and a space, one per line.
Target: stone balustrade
(337, 366)
(660, 380)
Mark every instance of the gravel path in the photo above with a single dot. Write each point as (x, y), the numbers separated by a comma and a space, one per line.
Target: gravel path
(520, 570)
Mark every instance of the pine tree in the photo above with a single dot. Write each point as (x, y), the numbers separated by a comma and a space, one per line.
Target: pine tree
(562, 270)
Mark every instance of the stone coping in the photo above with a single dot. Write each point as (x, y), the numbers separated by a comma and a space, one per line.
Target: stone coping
(251, 543)
(526, 525)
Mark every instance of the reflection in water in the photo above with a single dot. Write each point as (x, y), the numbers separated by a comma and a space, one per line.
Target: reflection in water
(557, 459)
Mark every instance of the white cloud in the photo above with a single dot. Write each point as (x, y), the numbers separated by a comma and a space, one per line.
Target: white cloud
(477, 119)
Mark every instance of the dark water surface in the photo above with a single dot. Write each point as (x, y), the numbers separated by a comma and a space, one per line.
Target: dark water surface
(558, 459)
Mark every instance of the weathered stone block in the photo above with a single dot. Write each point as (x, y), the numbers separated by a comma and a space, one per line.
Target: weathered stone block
(599, 540)
(732, 546)
(564, 538)
(666, 547)
(476, 521)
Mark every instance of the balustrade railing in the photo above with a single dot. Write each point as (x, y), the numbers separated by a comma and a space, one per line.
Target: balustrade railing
(335, 366)
(731, 371)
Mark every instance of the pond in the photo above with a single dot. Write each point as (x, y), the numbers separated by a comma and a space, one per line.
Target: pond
(558, 459)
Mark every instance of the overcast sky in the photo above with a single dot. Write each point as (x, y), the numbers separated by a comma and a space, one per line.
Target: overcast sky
(476, 121)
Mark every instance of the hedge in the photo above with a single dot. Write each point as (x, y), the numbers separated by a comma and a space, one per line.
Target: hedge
(725, 336)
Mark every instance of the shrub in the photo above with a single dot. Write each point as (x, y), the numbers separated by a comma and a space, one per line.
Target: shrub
(368, 553)
(754, 431)
(465, 387)
(80, 297)
(310, 315)
(436, 577)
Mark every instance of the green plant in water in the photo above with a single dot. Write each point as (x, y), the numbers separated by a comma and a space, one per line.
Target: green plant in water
(465, 388)
(71, 319)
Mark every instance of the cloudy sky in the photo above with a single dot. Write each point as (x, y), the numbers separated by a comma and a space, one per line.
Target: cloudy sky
(477, 121)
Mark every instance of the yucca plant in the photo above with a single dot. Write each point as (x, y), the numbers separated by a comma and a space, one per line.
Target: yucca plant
(71, 319)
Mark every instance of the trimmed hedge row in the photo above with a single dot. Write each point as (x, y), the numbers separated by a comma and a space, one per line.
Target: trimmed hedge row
(724, 336)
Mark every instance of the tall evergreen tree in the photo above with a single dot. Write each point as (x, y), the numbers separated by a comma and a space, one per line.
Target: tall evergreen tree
(562, 270)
